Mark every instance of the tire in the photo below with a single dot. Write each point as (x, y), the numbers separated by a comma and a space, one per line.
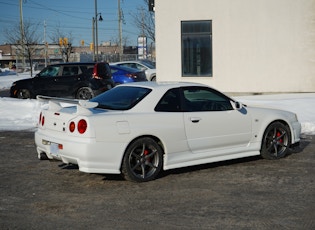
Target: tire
(276, 141)
(23, 94)
(142, 161)
(84, 93)
(153, 78)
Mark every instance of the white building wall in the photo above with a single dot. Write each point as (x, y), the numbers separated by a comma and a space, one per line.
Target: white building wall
(258, 45)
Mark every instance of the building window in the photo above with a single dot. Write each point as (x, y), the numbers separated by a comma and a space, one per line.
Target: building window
(196, 48)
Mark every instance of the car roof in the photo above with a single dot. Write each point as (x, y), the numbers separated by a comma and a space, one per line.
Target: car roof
(73, 63)
(143, 62)
(127, 69)
(162, 84)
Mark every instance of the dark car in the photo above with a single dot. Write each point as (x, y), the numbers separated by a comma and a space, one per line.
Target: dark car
(70, 80)
(121, 74)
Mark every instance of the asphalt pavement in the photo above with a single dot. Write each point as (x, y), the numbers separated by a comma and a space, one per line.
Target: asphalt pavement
(250, 193)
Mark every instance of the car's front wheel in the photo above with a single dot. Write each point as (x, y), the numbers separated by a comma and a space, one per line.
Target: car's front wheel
(84, 93)
(23, 94)
(143, 160)
(276, 141)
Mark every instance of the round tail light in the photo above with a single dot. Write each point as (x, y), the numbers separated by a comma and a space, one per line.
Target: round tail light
(43, 120)
(40, 118)
(72, 126)
(82, 126)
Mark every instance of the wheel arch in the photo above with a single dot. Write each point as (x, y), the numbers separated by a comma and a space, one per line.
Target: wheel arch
(156, 139)
(285, 123)
(153, 77)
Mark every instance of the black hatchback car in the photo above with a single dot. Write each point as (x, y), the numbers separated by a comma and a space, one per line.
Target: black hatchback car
(70, 80)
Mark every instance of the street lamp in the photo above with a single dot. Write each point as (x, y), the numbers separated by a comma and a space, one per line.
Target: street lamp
(96, 31)
(95, 35)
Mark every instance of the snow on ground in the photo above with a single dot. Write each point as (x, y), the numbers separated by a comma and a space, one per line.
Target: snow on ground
(17, 114)
(7, 77)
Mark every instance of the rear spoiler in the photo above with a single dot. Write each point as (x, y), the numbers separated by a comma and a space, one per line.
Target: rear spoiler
(54, 103)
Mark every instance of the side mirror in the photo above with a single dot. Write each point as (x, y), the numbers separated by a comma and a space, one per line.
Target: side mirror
(237, 105)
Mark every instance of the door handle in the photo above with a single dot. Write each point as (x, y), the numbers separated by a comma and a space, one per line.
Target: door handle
(195, 119)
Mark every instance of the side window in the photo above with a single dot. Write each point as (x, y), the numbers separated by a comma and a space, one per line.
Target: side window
(204, 99)
(170, 102)
(140, 67)
(70, 70)
(50, 71)
(131, 65)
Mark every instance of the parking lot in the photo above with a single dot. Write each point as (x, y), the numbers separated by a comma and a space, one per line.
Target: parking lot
(250, 193)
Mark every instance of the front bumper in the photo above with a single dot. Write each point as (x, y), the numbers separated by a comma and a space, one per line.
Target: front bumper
(296, 131)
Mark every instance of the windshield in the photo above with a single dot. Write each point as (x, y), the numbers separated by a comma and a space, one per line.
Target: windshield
(121, 98)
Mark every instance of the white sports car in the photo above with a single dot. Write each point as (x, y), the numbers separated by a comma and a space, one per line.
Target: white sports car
(138, 129)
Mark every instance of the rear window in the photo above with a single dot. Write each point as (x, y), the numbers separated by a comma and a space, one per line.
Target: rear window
(121, 98)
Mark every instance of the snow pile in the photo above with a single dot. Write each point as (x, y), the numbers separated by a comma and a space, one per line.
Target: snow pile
(17, 114)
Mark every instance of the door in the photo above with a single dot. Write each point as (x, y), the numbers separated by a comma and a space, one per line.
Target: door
(44, 82)
(65, 84)
(211, 122)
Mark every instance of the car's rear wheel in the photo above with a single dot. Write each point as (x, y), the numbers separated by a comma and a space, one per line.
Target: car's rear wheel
(23, 94)
(85, 93)
(143, 160)
(276, 141)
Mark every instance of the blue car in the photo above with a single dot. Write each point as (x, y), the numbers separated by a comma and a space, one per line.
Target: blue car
(121, 75)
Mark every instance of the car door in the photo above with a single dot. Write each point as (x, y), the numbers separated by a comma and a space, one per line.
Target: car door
(44, 82)
(65, 83)
(211, 122)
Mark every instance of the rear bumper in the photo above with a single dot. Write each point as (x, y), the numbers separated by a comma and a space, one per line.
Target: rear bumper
(90, 156)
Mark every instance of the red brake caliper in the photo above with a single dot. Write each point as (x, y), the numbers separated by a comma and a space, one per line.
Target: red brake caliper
(278, 135)
(146, 152)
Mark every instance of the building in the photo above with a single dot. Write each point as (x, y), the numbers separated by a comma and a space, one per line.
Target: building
(237, 46)
(51, 53)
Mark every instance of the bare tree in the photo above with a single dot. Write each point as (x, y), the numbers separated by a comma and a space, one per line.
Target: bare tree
(26, 41)
(65, 41)
(144, 20)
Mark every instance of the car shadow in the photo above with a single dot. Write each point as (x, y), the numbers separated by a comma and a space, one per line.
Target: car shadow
(194, 168)
(305, 141)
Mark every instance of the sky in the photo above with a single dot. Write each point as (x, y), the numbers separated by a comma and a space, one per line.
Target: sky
(73, 16)
(18, 114)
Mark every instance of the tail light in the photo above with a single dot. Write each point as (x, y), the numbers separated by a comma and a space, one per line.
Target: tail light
(72, 126)
(82, 126)
(41, 119)
(131, 75)
(95, 73)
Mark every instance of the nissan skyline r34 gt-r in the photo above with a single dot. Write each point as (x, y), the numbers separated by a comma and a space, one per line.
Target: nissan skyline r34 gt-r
(139, 129)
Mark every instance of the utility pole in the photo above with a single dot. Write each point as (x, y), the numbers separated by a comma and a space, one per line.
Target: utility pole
(45, 43)
(144, 48)
(120, 31)
(96, 34)
(22, 32)
(93, 38)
